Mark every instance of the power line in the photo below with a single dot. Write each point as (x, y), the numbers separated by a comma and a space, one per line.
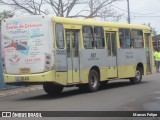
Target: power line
(147, 16)
(136, 13)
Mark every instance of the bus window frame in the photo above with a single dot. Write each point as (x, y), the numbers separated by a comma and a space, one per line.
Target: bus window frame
(101, 37)
(92, 36)
(62, 36)
(121, 46)
(133, 45)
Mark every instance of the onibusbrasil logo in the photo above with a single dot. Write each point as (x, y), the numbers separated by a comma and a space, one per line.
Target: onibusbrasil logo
(21, 114)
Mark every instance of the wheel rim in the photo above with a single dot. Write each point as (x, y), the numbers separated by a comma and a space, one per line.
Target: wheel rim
(138, 75)
(93, 81)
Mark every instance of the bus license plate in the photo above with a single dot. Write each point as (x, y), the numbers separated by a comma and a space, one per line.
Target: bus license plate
(25, 70)
(21, 78)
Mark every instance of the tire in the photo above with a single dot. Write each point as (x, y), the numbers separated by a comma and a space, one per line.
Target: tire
(52, 89)
(93, 82)
(138, 76)
(83, 87)
(104, 84)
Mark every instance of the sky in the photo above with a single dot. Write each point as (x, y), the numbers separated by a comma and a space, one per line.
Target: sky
(141, 12)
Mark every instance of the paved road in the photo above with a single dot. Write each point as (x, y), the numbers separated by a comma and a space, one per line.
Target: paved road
(118, 96)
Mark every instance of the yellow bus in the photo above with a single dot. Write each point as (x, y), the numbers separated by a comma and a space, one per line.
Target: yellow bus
(59, 52)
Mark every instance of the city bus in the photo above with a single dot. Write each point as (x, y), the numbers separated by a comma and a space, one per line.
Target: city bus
(62, 52)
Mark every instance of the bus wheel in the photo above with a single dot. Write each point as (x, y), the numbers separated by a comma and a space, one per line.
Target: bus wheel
(93, 81)
(52, 89)
(104, 84)
(138, 77)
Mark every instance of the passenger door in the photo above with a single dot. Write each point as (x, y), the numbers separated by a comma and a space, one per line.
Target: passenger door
(72, 47)
(112, 54)
(148, 52)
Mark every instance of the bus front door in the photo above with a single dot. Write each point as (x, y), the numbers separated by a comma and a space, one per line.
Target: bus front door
(112, 54)
(148, 53)
(72, 46)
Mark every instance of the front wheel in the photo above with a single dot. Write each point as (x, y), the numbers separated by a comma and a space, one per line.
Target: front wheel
(52, 89)
(138, 76)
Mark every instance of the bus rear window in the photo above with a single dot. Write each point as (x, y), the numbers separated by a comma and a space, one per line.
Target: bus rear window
(59, 36)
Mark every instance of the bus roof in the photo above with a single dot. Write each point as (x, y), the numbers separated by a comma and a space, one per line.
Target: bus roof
(98, 23)
(87, 22)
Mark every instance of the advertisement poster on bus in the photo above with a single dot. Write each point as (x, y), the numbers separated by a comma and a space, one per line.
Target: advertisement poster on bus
(24, 45)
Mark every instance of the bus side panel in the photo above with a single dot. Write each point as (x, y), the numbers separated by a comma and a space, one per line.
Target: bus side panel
(84, 75)
(127, 60)
(93, 57)
(103, 73)
(126, 71)
(61, 78)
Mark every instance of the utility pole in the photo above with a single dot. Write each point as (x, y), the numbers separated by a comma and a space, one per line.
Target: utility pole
(129, 19)
(91, 6)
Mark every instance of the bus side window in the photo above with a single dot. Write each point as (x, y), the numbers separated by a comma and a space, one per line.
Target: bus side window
(108, 41)
(99, 37)
(88, 37)
(125, 38)
(137, 38)
(59, 36)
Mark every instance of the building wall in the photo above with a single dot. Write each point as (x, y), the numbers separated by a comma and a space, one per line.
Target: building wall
(156, 41)
(2, 84)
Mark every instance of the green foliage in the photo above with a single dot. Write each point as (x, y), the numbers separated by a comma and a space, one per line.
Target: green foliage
(5, 14)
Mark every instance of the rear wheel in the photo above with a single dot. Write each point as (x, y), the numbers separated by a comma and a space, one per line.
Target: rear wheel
(104, 84)
(138, 76)
(52, 89)
(93, 82)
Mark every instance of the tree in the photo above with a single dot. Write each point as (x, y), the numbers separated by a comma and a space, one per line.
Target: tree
(154, 32)
(103, 9)
(5, 14)
(64, 8)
